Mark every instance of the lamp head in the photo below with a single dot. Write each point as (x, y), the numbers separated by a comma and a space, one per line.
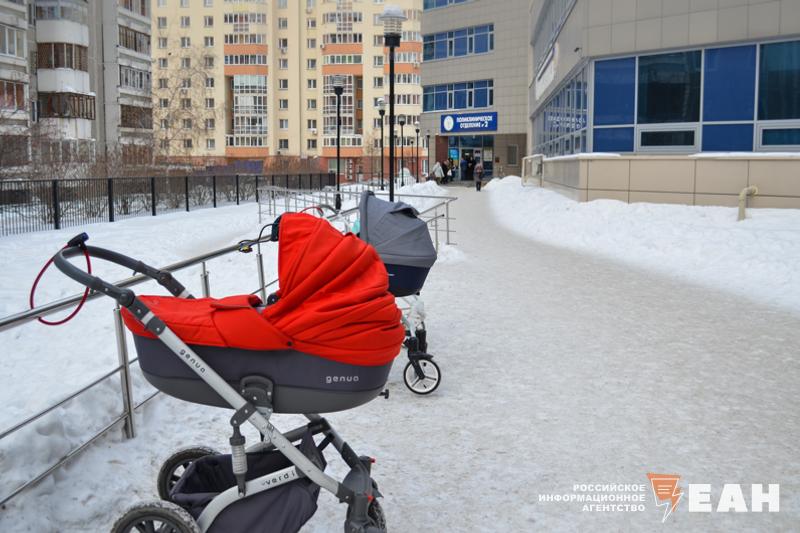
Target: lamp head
(392, 18)
(401, 120)
(338, 84)
(381, 106)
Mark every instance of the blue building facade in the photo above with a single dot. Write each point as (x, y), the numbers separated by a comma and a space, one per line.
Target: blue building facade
(721, 97)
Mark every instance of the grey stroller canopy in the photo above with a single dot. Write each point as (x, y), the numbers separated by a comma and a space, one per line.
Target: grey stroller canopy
(397, 233)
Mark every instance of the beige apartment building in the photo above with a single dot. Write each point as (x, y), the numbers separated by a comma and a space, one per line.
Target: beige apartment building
(237, 83)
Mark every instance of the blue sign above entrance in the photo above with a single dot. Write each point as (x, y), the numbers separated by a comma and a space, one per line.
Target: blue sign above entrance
(469, 122)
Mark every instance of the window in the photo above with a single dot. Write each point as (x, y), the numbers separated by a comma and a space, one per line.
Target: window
(162, 23)
(209, 83)
(458, 43)
(211, 123)
(186, 83)
(162, 62)
(311, 64)
(134, 78)
(163, 102)
(134, 40)
(614, 91)
(186, 103)
(283, 23)
(186, 22)
(669, 88)
(283, 85)
(728, 137)
(162, 42)
(781, 137)
(433, 4)
(665, 138)
(12, 95)
(311, 23)
(211, 144)
(208, 41)
(187, 143)
(311, 103)
(311, 144)
(283, 64)
(311, 43)
(283, 123)
(163, 83)
(311, 83)
(186, 42)
(779, 83)
(730, 87)
(283, 144)
(283, 104)
(466, 95)
(512, 157)
(209, 103)
(186, 62)
(208, 61)
(187, 123)
(61, 55)
(311, 124)
(208, 21)
(66, 105)
(613, 140)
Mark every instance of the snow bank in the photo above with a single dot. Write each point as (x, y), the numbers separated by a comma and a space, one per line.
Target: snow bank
(756, 258)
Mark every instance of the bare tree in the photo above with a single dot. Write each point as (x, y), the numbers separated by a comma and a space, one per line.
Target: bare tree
(183, 114)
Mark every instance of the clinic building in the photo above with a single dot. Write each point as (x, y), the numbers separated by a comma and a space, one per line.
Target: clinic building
(474, 78)
(665, 83)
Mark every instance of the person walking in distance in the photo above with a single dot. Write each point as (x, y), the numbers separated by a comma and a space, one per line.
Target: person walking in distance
(478, 174)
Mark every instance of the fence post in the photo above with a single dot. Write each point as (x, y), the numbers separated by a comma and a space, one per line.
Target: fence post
(56, 207)
(447, 219)
(125, 375)
(273, 180)
(237, 189)
(153, 195)
(214, 188)
(110, 189)
(257, 195)
(186, 191)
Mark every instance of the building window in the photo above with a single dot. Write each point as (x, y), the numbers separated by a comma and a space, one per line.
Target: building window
(283, 104)
(211, 123)
(433, 4)
(187, 143)
(729, 87)
(669, 88)
(66, 105)
(209, 103)
(512, 157)
(283, 124)
(208, 21)
(61, 55)
(283, 144)
(458, 43)
(186, 22)
(211, 144)
(779, 83)
(614, 91)
(311, 144)
(136, 117)
(283, 84)
(311, 83)
(454, 96)
(134, 40)
(12, 95)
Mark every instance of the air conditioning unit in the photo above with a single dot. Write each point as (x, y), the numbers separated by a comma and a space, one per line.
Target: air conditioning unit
(322, 46)
(313, 131)
(283, 51)
(416, 64)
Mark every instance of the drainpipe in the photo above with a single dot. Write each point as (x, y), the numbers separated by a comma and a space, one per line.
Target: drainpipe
(747, 191)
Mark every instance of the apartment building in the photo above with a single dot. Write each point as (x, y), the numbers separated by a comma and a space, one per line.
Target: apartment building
(75, 77)
(474, 75)
(240, 82)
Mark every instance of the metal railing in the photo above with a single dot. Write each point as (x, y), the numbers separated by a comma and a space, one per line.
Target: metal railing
(36, 205)
(437, 216)
(274, 200)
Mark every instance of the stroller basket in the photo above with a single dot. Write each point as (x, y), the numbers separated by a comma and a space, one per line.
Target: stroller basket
(284, 508)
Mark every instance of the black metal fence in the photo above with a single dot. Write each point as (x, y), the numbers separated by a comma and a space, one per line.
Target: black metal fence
(38, 205)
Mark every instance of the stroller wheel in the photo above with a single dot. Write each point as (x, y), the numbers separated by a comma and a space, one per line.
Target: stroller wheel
(376, 519)
(156, 516)
(176, 465)
(425, 383)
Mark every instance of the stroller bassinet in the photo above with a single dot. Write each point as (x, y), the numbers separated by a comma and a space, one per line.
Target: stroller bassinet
(326, 345)
(401, 239)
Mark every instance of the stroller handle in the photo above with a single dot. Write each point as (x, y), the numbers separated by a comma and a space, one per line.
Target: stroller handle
(125, 297)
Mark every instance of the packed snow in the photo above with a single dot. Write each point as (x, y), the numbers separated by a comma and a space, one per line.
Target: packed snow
(561, 365)
(757, 258)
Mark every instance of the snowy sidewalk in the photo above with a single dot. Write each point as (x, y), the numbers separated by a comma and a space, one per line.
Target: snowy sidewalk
(558, 368)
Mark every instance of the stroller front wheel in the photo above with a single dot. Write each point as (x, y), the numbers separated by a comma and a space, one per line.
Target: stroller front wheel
(176, 465)
(156, 516)
(422, 378)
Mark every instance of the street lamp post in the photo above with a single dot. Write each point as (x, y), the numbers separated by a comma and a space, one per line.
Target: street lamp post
(428, 148)
(416, 156)
(392, 18)
(382, 113)
(338, 89)
(402, 122)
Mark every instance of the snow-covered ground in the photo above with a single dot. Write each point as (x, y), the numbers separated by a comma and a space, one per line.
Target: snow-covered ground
(559, 365)
(757, 258)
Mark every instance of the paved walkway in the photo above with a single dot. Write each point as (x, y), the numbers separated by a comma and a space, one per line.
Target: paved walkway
(561, 369)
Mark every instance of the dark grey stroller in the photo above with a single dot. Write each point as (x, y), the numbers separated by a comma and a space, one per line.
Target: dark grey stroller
(404, 243)
(325, 342)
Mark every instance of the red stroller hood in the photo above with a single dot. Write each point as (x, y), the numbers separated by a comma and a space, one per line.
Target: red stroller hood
(333, 303)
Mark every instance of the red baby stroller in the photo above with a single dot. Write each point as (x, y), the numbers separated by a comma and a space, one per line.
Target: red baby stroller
(326, 342)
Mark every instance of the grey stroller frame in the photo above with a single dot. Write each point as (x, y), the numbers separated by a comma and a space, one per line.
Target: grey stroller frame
(251, 405)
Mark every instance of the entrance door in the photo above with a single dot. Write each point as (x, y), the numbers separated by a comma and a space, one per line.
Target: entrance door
(466, 153)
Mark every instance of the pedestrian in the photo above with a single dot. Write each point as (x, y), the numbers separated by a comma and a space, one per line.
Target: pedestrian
(437, 172)
(464, 164)
(478, 174)
(470, 170)
(448, 174)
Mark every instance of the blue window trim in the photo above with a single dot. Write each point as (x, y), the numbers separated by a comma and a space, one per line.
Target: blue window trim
(448, 38)
(449, 3)
(449, 90)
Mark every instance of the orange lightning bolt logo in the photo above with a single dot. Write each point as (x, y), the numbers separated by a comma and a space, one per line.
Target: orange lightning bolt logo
(666, 491)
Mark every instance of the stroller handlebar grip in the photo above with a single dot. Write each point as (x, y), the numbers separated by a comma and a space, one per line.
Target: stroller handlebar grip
(124, 296)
